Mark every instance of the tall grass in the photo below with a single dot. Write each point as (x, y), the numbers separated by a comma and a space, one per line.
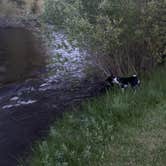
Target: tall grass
(116, 129)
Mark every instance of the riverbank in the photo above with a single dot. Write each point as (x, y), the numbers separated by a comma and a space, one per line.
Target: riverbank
(27, 111)
(115, 129)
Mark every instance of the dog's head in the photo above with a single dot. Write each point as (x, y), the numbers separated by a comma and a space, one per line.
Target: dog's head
(109, 79)
(115, 80)
(112, 80)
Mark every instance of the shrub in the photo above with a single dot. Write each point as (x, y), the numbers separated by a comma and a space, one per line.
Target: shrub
(127, 35)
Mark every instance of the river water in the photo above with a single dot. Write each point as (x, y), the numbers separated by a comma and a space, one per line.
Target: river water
(19, 56)
(25, 68)
(36, 88)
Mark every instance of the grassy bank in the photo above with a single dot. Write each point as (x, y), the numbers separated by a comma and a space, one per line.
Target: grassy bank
(117, 129)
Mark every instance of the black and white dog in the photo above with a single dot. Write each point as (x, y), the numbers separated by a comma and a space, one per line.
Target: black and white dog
(124, 82)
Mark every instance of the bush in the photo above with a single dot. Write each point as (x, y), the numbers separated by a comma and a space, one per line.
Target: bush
(127, 34)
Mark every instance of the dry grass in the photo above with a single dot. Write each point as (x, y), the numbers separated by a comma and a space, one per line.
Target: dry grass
(8, 8)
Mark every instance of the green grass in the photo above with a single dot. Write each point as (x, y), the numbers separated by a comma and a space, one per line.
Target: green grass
(117, 129)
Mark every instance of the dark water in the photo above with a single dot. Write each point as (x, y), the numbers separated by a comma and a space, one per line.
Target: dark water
(20, 56)
(29, 106)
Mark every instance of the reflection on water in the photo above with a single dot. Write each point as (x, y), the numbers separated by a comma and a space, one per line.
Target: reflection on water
(19, 55)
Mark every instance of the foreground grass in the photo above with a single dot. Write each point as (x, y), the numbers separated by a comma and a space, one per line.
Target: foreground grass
(113, 130)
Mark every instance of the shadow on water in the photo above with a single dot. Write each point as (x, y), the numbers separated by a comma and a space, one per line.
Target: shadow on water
(20, 56)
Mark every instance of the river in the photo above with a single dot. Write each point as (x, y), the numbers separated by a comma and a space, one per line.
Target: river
(36, 88)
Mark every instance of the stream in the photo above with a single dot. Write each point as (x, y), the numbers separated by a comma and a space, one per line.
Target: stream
(36, 89)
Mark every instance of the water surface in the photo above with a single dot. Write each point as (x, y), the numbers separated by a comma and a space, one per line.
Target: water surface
(20, 56)
(31, 98)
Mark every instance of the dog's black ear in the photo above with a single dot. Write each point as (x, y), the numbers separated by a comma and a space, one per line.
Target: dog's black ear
(111, 74)
(112, 77)
(108, 82)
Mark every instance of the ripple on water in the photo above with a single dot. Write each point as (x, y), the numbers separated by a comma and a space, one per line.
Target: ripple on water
(18, 103)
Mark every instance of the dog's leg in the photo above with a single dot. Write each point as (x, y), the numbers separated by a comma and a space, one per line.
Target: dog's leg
(134, 88)
(122, 88)
(109, 84)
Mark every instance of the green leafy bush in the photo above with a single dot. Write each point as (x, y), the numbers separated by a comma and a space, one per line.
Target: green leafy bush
(127, 35)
